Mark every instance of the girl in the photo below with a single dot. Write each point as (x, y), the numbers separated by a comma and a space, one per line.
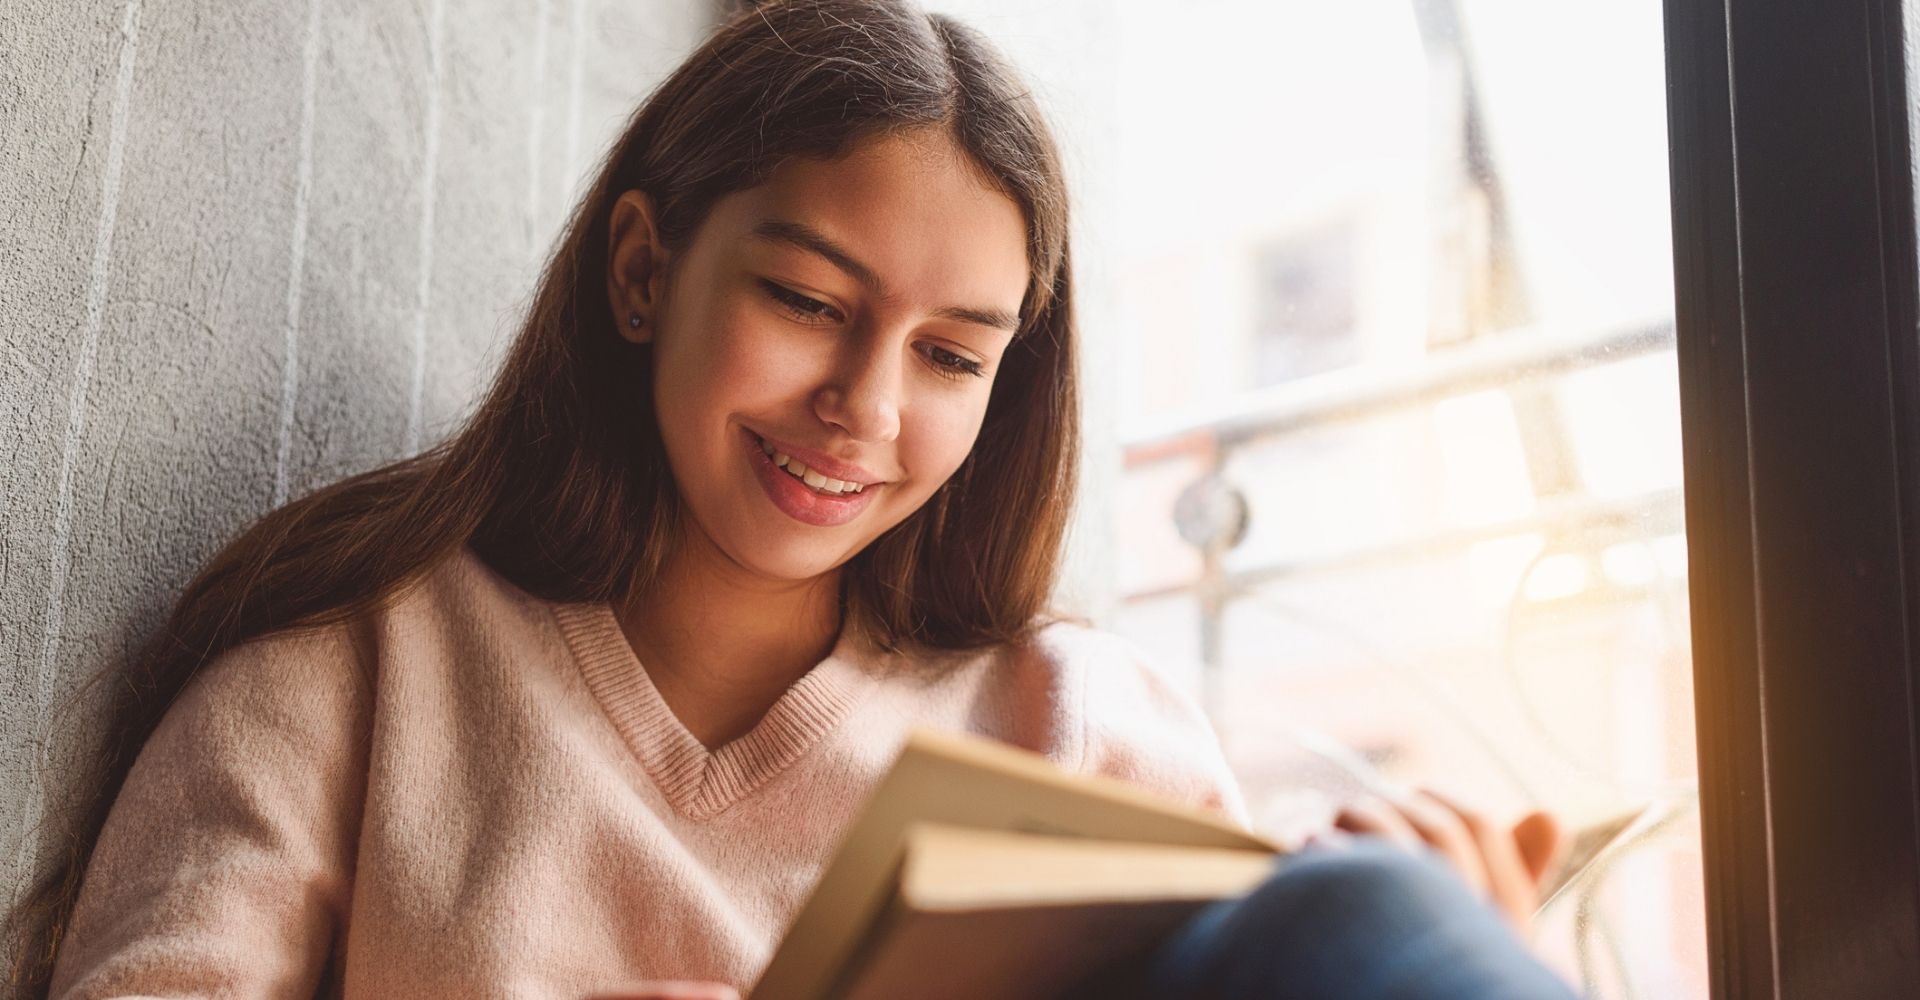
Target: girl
(578, 701)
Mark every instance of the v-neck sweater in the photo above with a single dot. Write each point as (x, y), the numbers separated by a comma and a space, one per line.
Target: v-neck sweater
(478, 793)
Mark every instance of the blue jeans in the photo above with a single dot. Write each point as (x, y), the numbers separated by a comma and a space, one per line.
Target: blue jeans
(1365, 922)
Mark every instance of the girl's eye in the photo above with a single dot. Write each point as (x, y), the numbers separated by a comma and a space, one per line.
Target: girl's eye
(798, 306)
(953, 365)
(805, 309)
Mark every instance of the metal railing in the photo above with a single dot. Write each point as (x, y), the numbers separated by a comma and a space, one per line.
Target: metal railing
(1513, 360)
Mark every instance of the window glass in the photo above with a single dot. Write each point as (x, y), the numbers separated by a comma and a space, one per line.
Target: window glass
(1378, 317)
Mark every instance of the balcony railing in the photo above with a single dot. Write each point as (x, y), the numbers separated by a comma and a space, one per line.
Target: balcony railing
(1515, 360)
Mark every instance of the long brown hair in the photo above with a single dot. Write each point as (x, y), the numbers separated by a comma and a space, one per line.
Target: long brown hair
(559, 480)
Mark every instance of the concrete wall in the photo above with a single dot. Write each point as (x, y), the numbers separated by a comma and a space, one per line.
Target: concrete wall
(247, 247)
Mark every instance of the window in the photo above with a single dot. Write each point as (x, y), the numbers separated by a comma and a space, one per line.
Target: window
(1446, 543)
(1382, 299)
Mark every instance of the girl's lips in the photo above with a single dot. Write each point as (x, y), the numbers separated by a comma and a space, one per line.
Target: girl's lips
(824, 464)
(798, 500)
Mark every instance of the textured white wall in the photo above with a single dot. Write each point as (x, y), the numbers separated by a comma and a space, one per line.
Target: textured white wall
(246, 247)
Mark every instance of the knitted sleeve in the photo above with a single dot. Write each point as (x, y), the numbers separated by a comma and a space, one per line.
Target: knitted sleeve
(225, 865)
(1142, 729)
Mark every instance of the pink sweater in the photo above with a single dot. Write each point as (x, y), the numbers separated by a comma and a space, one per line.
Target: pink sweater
(480, 794)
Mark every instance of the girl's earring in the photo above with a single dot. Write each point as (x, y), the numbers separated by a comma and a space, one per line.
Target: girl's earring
(634, 321)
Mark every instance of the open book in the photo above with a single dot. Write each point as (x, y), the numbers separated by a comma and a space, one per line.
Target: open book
(979, 870)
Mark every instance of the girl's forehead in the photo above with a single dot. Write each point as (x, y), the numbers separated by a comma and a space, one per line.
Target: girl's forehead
(896, 209)
(888, 178)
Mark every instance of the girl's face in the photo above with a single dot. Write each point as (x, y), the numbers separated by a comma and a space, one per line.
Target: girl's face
(848, 317)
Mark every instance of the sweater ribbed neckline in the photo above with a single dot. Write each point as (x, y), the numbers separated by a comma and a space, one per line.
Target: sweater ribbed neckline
(699, 782)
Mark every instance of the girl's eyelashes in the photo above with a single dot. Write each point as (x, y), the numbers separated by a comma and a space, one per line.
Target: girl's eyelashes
(798, 306)
(953, 365)
(806, 309)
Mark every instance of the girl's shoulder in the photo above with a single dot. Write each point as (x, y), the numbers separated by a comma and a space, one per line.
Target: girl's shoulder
(1052, 641)
(457, 595)
(1069, 657)
(1141, 725)
(1125, 713)
(1118, 676)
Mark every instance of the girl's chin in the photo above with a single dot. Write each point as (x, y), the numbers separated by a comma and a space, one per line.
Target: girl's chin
(798, 572)
(790, 559)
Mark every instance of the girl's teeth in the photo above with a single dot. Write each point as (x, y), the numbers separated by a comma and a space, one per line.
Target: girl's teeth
(794, 467)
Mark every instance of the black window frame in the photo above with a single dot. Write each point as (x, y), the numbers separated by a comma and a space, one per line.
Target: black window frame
(1799, 355)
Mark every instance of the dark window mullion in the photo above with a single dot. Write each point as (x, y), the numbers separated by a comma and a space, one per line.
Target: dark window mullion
(1897, 109)
(1795, 281)
(1719, 520)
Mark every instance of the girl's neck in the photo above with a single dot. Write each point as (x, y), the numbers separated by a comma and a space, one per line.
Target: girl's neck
(722, 645)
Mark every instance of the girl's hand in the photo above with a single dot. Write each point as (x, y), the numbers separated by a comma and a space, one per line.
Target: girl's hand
(1504, 864)
(676, 989)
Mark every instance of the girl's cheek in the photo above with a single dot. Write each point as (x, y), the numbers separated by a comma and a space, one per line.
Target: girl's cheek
(941, 435)
(766, 348)
(748, 358)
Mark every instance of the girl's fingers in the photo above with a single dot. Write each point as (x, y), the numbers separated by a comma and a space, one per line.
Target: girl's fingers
(1512, 887)
(1416, 825)
(1374, 816)
(1541, 841)
(1442, 827)
(1377, 818)
(1503, 864)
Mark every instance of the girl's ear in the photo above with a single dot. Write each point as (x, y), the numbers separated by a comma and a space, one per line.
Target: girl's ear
(636, 266)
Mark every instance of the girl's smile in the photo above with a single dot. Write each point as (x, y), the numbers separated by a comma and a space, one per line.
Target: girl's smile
(802, 491)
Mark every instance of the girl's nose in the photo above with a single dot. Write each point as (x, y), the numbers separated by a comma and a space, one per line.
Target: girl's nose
(862, 397)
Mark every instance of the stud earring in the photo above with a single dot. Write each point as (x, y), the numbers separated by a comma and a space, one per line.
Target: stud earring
(634, 321)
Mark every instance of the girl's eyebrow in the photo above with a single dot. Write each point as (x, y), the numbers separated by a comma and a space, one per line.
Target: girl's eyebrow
(805, 237)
